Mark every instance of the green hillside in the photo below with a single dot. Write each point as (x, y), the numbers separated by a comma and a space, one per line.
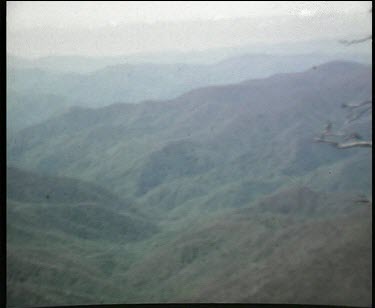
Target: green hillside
(218, 195)
(226, 258)
(59, 234)
(207, 140)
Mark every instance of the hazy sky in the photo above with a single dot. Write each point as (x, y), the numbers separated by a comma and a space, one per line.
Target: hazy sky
(112, 28)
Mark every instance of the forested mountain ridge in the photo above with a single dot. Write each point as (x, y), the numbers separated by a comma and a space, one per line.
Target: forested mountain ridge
(220, 190)
(218, 134)
(28, 88)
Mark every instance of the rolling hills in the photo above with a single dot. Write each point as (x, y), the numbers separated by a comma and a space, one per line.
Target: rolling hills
(217, 195)
(64, 237)
(70, 205)
(203, 140)
(245, 255)
(321, 242)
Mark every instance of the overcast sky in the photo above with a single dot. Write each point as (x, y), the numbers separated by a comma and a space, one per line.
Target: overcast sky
(112, 28)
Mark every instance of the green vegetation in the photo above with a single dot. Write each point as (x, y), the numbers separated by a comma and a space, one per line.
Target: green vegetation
(218, 195)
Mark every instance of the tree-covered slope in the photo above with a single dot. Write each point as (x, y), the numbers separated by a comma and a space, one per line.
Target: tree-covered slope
(64, 237)
(225, 195)
(208, 137)
(320, 241)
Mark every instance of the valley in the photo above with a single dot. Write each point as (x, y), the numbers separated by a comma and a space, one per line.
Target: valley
(215, 195)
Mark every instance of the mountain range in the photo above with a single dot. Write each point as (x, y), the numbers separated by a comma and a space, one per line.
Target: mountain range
(40, 92)
(218, 194)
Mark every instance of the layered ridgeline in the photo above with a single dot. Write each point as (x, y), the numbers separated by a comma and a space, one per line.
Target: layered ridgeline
(41, 93)
(244, 207)
(218, 146)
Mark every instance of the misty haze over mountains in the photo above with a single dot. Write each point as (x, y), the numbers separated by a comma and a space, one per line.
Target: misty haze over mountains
(189, 176)
(87, 64)
(29, 88)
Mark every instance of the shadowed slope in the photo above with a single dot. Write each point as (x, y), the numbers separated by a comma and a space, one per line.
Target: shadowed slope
(314, 250)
